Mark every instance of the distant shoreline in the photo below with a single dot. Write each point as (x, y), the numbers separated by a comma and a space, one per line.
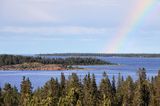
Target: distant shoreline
(38, 67)
(140, 55)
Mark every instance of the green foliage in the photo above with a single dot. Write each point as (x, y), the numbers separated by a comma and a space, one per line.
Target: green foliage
(26, 92)
(156, 91)
(10, 96)
(142, 91)
(17, 59)
(74, 92)
(106, 90)
(62, 85)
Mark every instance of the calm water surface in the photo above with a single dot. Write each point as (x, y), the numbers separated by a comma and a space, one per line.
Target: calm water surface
(127, 66)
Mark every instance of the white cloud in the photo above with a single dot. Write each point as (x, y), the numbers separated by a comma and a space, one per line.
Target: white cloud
(15, 10)
(74, 30)
(80, 2)
(54, 10)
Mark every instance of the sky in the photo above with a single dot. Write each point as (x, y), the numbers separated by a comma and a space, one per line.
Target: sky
(76, 26)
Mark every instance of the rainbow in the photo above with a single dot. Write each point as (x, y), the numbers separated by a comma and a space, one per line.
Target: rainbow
(141, 9)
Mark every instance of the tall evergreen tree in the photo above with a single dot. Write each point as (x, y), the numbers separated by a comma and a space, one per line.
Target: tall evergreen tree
(119, 92)
(113, 86)
(10, 96)
(51, 92)
(156, 92)
(63, 85)
(128, 89)
(94, 91)
(105, 89)
(74, 91)
(142, 93)
(26, 92)
(1, 98)
(87, 90)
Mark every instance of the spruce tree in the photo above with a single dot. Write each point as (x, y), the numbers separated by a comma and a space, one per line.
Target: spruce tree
(63, 85)
(142, 92)
(74, 91)
(26, 91)
(87, 90)
(156, 95)
(113, 86)
(51, 92)
(119, 92)
(1, 98)
(128, 88)
(10, 95)
(94, 91)
(105, 89)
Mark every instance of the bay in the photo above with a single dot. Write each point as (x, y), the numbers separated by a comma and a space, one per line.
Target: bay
(126, 66)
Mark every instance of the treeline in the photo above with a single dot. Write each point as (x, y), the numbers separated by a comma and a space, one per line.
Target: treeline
(17, 59)
(101, 54)
(74, 91)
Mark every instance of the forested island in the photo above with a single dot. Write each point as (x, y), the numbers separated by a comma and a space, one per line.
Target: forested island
(17, 62)
(104, 55)
(73, 91)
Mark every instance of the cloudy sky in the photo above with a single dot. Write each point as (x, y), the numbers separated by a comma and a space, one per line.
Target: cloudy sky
(85, 26)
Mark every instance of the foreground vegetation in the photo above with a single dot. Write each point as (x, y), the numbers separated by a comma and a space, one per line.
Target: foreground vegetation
(77, 92)
(17, 59)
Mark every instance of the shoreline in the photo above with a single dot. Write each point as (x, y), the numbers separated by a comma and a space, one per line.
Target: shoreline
(40, 67)
(49, 70)
(35, 66)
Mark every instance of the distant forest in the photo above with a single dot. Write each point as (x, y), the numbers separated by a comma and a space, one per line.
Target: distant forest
(17, 59)
(73, 91)
(101, 54)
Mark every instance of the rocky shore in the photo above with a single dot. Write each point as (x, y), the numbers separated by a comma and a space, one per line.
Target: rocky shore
(36, 66)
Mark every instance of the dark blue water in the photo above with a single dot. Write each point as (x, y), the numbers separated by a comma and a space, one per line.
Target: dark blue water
(127, 66)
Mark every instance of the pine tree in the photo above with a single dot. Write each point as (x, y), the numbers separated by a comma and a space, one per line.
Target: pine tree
(72, 97)
(10, 95)
(119, 93)
(37, 98)
(74, 91)
(94, 91)
(106, 102)
(113, 86)
(51, 92)
(87, 90)
(1, 98)
(63, 85)
(105, 89)
(26, 91)
(156, 95)
(142, 92)
(16, 96)
(128, 88)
